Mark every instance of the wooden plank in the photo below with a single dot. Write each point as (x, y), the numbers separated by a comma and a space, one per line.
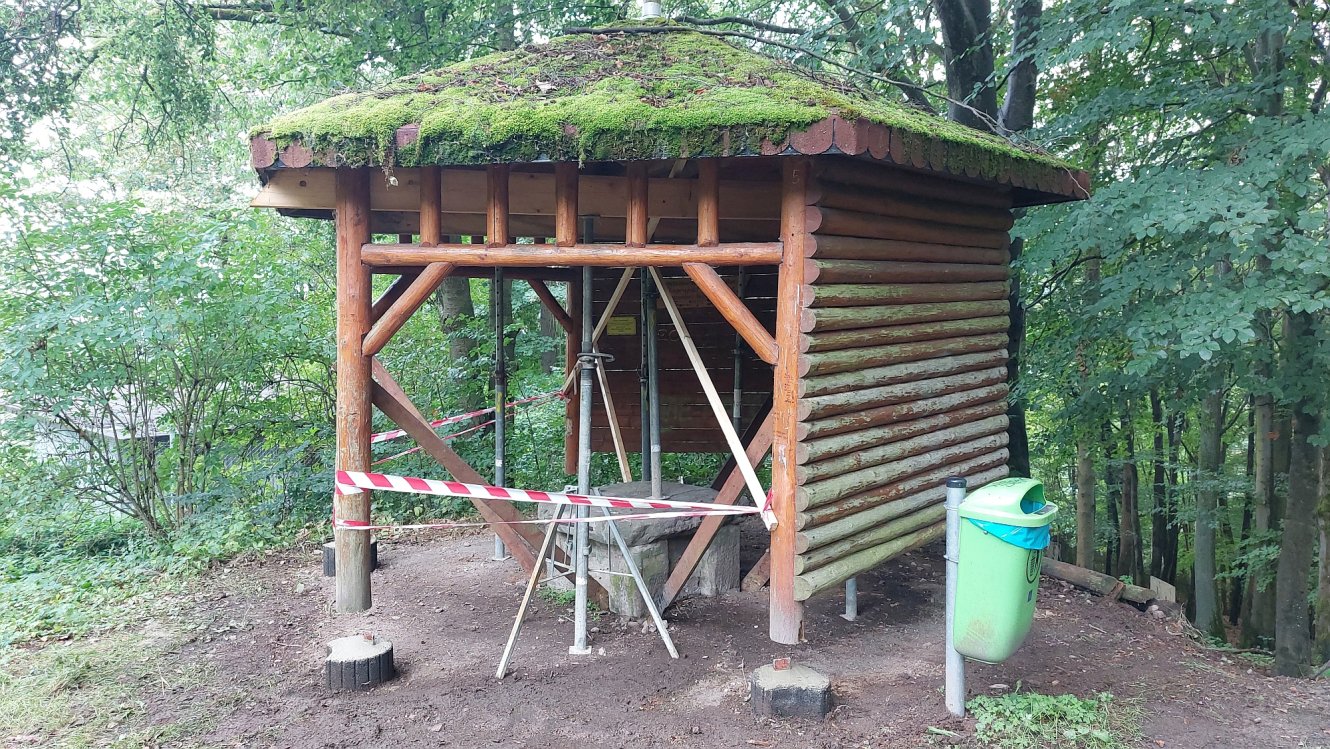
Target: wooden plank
(901, 411)
(406, 305)
(846, 318)
(977, 470)
(854, 402)
(786, 614)
(865, 294)
(733, 309)
(863, 461)
(812, 451)
(856, 224)
(833, 247)
(877, 177)
(729, 492)
(893, 272)
(607, 255)
(841, 340)
(353, 411)
(831, 362)
(809, 584)
(831, 194)
(810, 387)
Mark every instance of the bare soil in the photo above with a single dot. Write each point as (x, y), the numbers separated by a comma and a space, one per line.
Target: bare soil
(448, 608)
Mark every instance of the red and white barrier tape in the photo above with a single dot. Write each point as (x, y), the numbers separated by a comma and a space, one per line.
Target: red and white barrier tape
(375, 439)
(353, 482)
(445, 438)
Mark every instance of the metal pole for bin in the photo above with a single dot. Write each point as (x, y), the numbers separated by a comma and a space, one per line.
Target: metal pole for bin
(851, 600)
(955, 664)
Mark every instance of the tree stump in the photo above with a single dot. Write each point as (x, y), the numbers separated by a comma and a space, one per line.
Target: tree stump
(358, 663)
(330, 557)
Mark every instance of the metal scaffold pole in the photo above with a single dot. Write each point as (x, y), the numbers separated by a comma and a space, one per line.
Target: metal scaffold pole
(581, 549)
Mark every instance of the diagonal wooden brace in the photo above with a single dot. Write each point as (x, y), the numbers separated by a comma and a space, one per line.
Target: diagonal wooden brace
(405, 306)
(706, 532)
(392, 294)
(551, 303)
(733, 309)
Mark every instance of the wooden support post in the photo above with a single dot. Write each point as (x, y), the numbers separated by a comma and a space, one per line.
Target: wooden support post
(729, 492)
(353, 385)
(406, 305)
(565, 205)
(708, 203)
(496, 206)
(636, 231)
(786, 614)
(733, 309)
(431, 206)
(565, 235)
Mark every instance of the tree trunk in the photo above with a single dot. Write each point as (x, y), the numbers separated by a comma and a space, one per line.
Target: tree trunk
(1293, 645)
(456, 310)
(1129, 517)
(1210, 463)
(1113, 498)
(1085, 485)
(968, 56)
(1160, 516)
(1322, 637)
(1177, 424)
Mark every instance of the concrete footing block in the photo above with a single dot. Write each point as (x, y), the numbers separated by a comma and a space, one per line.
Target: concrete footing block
(790, 692)
(357, 663)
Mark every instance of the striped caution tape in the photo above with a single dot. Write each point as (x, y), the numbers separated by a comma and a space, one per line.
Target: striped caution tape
(393, 434)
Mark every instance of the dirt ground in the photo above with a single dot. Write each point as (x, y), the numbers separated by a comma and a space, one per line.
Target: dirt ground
(448, 608)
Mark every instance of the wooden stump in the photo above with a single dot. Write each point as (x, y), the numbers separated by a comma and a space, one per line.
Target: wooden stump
(330, 558)
(358, 663)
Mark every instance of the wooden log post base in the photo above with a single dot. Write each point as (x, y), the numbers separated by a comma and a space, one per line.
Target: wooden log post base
(330, 557)
(358, 663)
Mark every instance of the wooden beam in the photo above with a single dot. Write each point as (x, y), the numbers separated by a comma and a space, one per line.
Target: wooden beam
(496, 206)
(706, 532)
(431, 206)
(354, 303)
(602, 255)
(758, 576)
(733, 309)
(406, 305)
(636, 210)
(565, 204)
(392, 293)
(471, 271)
(708, 203)
(551, 303)
(785, 612)
(521, 541)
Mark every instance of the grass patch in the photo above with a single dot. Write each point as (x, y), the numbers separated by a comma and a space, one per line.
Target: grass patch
(1029, 720)
(96, 692)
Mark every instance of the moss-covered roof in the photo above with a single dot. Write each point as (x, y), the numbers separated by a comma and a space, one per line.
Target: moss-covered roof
(611, 97)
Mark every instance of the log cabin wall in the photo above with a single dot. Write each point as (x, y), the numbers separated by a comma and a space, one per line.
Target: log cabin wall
(902, 364)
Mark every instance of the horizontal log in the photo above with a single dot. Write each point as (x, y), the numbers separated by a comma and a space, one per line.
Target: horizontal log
(979, 470)
(822, 578)
(857, 224)
(908, 182)
(870, 536)
(831, 362)
(840, 340)
(608, 255)
(898, 412)
(834, 247)
(933, 491)
(471, 271)
(846, 318)
(811, 387)
(865, 294)
(824, 406)
(813, 451)
(890, 271)
(880, 455)
(848, 484)
(1095, 582)
(830, 194)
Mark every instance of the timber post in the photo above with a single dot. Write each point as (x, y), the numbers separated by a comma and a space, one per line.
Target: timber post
(353, 385)
(786, 615)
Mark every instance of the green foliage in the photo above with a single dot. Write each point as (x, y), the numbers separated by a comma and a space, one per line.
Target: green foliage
(1028, 720)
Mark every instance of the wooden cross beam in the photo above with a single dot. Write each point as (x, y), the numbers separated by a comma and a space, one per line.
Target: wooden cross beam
(733, 309)
(405, 306)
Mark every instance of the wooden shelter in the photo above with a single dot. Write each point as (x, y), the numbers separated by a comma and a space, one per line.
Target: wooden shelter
(858, 249)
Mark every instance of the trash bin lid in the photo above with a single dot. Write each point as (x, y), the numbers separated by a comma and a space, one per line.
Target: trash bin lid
(1011, 501)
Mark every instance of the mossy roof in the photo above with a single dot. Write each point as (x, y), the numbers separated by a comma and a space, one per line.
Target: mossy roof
(620, 97)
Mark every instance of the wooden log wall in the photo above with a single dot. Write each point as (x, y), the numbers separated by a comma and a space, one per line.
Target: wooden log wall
(902, 362)
(687, 423)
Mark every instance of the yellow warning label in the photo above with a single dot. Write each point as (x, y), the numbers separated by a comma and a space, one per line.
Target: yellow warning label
(622, 325)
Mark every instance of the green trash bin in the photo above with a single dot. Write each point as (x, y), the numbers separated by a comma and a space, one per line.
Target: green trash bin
(1004, 529)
